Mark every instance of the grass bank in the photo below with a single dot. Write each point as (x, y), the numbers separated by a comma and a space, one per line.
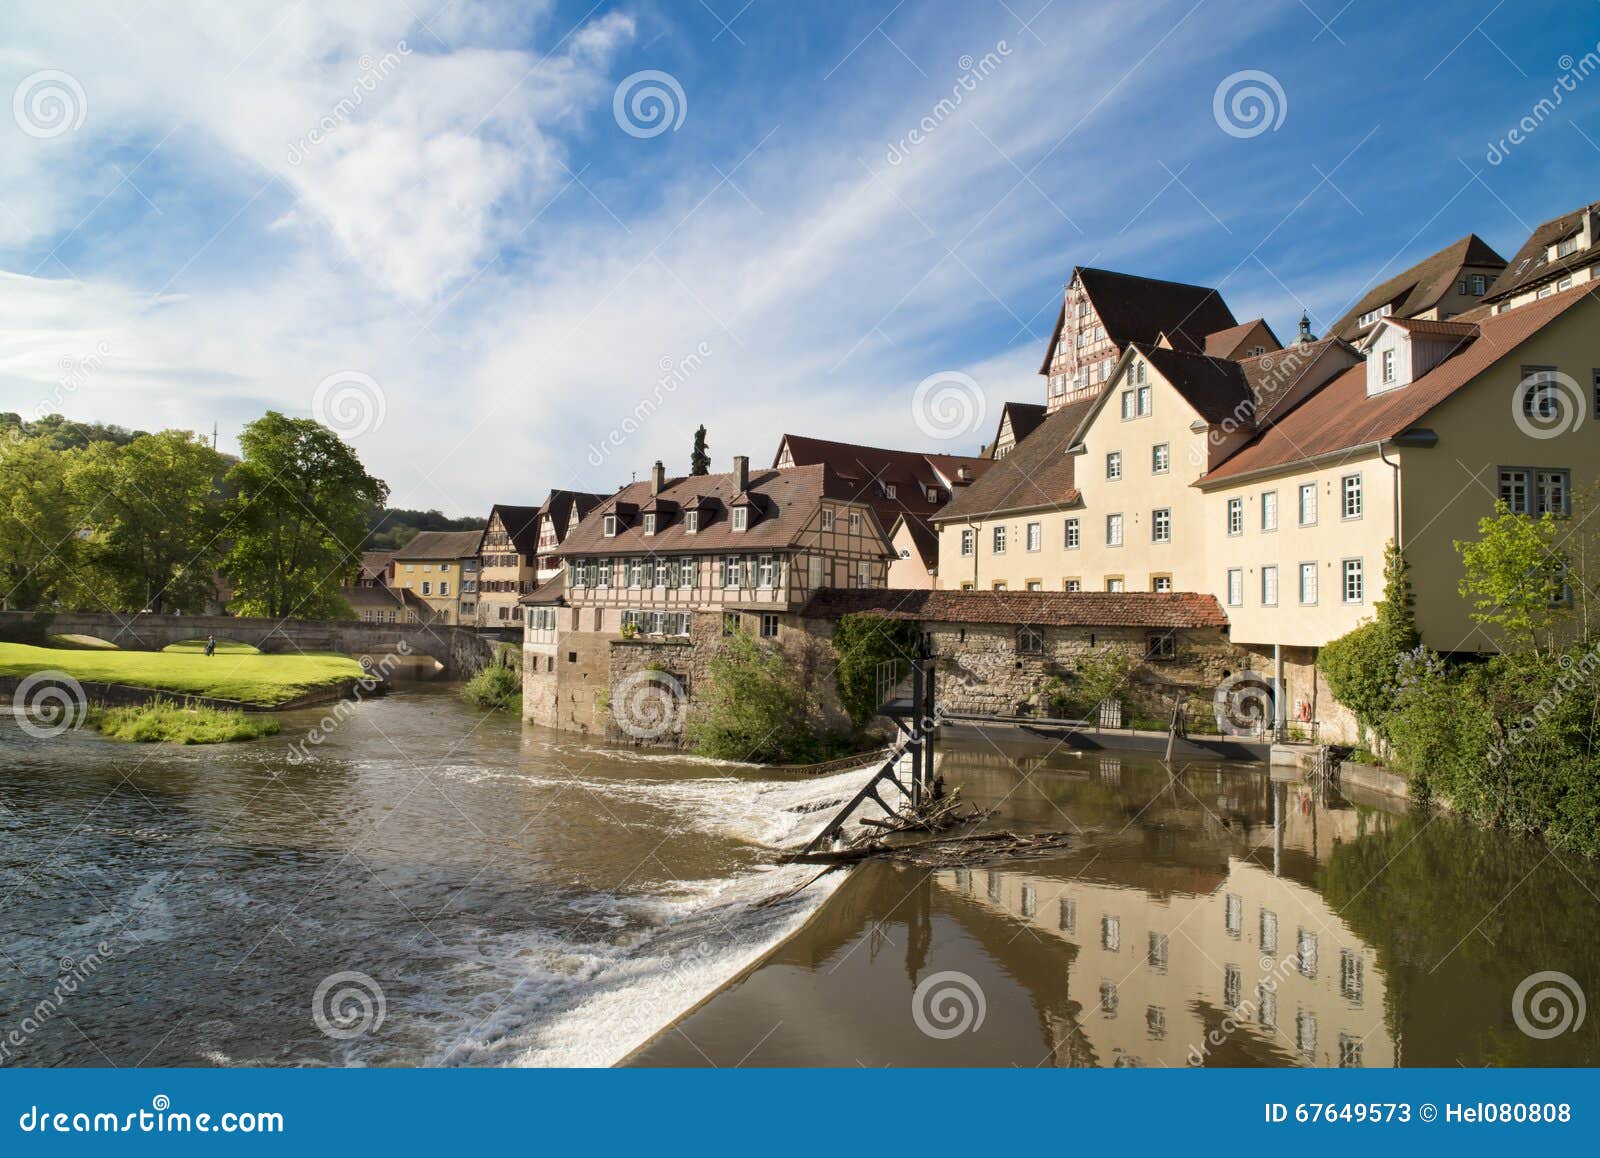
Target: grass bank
(164, 720)
(229, 675)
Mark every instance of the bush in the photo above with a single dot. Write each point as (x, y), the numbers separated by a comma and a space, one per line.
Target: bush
(757, 707)
(1100, 676)
(163, 719)
(862, 642)
(1360, 666)
(494, 688)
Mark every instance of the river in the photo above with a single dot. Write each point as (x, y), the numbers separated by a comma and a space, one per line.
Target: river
(436, 886)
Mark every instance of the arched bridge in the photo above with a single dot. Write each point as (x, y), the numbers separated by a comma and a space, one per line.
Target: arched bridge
(461, 651)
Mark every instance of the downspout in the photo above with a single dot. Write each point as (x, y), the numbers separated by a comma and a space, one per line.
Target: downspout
(1395, 467)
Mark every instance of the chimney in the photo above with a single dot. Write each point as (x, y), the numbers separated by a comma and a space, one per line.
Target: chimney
(658, 478)
(741, 473)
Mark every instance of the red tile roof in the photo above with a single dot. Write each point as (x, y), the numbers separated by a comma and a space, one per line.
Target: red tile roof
(866, 469)
(1035, 608)
(1141, 309)
(442, 545)
(1037, 473)
(1421, 287)
(1532, 265)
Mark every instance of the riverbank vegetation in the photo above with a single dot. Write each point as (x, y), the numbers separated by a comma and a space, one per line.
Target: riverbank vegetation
(164, 720)
(761, 706)
(1511, 740)
(496, 688)
(248, 677)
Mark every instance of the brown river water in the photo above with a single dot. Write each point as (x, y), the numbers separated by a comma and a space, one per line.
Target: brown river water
(434, 886)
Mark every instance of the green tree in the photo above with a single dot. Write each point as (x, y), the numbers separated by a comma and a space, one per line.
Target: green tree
(756, 708)
(39, 524)
(155, 515)
(699, 458)
(1516, 576)
(1360, 666)
(300, 511)
(862, 642)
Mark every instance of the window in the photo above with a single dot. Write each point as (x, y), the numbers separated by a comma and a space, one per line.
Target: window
(691, 522)
(1113, 530)
(827, 518)
(1035, 536)
(1350, 496)
(1232, 986)
(1072, 585)
(1535, 492)
(1388, 367)
(1306, 953)
(1269, 586)
(427, 587)
(888, 490)
(603, 573)
(741, 518)
(769, 625)
(967, 539)
(1030, 641)
(1108, 998)
(1115, 583)
(1128, 403)
(444, 587)
(1269, 510)
(864, 573)
(1067, 915)
(1160, 458)
(730, 623)
(1161, 583)
(1269, 931)
(1349, 1052)
(1030, 900)
(1074, 536)
(766, 575)
(663, 573)
(1111, 933)
(1477, 285)
(1156, 957)
(1235, 516)
(1308, 583)
(855, 522)
(998, 585)
(1353, 588)
(1155, 1022)
(1161, 645)
(1541, 393)
(1033, 585)
(1144, 401)
(1161, 525)
(999, 540)
(1233, 915)
(650, 524)
(1308, 504)
(1568, 245)
(1114, 465)
(610, 527)
(687, 572)
(1235, 587)
(1515, 490)
(1350, 975)
(730, 570)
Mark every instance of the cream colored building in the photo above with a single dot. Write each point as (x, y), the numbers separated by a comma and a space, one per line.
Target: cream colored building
(441, 568)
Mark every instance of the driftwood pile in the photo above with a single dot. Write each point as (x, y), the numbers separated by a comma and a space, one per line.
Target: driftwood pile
(944, 852)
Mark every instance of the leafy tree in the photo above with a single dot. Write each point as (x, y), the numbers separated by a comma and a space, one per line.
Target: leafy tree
(298, 518)
(1360, 666)
(39, 540)
(392, 527)
(699, 459)
(63, 433)
(756, 708)
(862, 642)
(156, 516)
(1515, 576)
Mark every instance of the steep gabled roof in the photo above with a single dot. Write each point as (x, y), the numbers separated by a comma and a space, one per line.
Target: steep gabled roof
(1025, 418)
(1033, 608)
(1532, 264)
(558, 508)
(1276, 376)
(1215, 387)
(923, 536)
(1341, 416)
(1226, 343)
(1421, 287)
(865, 470)
(1038, 473)
(374, 564)
(442, 545)
(521, 523)
(1141, 309)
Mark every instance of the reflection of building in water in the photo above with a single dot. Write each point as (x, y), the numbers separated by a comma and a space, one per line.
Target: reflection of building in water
(1181, 964)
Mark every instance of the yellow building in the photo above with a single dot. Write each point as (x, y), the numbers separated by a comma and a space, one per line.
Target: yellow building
(440, 568)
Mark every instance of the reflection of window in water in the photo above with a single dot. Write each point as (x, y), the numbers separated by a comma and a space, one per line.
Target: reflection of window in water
(1069, 915)
(1111, 933)
(1108, 998)
(994, 885)
(1267, 1002)
(1111, 771)
(964, 880)
(1155, 1022)
(1030, 901)
(1349, 1052)
(1232, 986)
(1308, 953)
(1234, 914)
(1158, 951)
(1269, 932)
(1305, 1033)
(1350, 975)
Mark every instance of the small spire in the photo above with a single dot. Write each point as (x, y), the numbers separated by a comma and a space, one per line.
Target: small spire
(1305, 328)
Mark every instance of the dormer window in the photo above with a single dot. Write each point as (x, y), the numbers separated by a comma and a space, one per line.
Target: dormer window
(933, 494)
(1371, 316)
(650, 524)
(741, 518)
(1568, 245)
(888, 490)
(611, 526)
(691, 522)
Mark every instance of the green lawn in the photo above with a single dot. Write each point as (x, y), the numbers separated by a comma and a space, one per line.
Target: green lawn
(231, 675)
(223, 645)
(165, 721)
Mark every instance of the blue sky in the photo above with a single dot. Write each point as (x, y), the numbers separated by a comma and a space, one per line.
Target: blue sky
(432, 213)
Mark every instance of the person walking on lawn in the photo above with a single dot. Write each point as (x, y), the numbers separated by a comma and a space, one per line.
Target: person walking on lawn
(211, 645)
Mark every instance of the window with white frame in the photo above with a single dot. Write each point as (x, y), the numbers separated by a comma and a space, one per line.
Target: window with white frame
(1113, 530)
(1235, 516)
(663, 572)
(1388, 367)
(766, 572)
(1354, 582)
(686, 571)
(1161, 583)
(968, 541)
(1235, 586)
(635, 572)
(1269, 586)
(650, 524)
(889, 490)
(827, 518)
(1073, 537)
(1072, 585)
(1308, 583)
(1308, 504)
(603, 573)
(741, 518)
(769, 625)
(855, 522)
(1035, 536)
(691, 522)
(1552, 492)
(864, 573)
(1114, 465)
(1116, 584)
(1160, 458)
(1350, 496)
(444, 587)
(730, 570)
(427, 587)
(1127, 405)
(1161, 525)
(998, 543)
(1146, 401)
(1269, 510)
(610, 526)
